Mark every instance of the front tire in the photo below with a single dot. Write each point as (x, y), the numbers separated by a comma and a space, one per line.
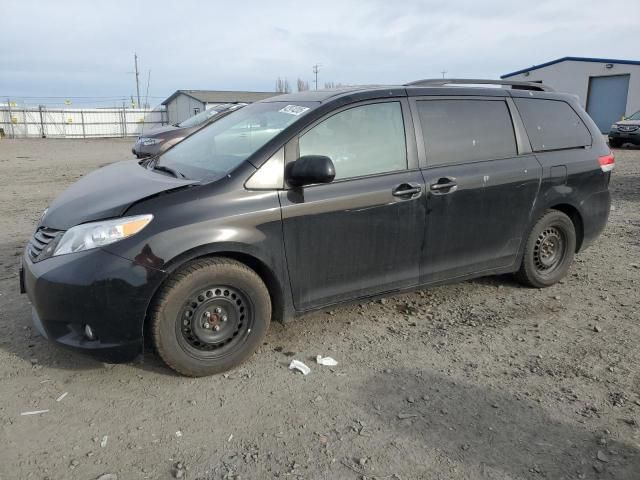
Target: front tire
(210, 316)
(549, 250)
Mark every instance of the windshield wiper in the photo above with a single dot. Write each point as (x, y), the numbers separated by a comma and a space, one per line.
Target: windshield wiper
(164, 168)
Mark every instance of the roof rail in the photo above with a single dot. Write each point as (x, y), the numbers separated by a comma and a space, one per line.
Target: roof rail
(441, 82)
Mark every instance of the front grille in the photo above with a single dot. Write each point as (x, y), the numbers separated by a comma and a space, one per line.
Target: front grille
(40, 240)
(628, 128)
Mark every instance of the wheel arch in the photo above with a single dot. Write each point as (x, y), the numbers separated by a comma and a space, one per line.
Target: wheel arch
(275, 286)
(576, 218)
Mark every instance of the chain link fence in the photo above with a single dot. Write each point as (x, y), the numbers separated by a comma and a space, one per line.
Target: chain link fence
(46, 122)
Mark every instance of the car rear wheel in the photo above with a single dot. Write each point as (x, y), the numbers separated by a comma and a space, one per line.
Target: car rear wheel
(210, 316)
(549, 250)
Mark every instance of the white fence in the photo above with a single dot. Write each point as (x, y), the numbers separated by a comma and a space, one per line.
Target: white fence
(22, 122)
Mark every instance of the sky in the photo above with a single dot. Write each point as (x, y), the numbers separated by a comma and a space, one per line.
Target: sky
(83, 50)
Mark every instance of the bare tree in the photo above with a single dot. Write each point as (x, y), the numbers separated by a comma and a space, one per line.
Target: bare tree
(279, 85)
(303, 85)
(329, 85)
(282, 85)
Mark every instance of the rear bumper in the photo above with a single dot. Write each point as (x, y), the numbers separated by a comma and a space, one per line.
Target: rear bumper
(107, 292)
(142, 151)
(595, 214)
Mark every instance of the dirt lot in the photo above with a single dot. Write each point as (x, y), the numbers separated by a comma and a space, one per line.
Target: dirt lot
(483, 379)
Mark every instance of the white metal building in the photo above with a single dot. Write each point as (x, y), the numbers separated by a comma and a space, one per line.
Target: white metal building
(187, 103)
(608, 89)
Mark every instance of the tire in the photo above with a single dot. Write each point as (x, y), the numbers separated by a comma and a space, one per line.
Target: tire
(615, 143)
(549, 250)
(210, 316)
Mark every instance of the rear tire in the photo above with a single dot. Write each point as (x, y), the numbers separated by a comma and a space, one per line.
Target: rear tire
(549, 250)
(210, 316)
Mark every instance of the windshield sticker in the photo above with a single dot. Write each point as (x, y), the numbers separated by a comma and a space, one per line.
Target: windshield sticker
(294, 109)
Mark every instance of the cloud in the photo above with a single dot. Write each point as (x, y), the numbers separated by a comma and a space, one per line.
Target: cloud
(79, 48)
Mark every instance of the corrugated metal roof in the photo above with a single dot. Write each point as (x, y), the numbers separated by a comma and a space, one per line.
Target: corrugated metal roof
(222, 96)
(572, 59)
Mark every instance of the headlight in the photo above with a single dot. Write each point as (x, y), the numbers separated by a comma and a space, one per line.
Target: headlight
(150, 141)
(97, 234)
(614, 126)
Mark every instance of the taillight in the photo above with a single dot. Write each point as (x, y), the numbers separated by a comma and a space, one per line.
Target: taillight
(607, 162)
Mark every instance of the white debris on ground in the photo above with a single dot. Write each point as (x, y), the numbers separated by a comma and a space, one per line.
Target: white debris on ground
(326, 361)
(301, 367)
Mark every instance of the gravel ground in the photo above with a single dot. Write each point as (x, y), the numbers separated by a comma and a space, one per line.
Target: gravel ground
(482, 379)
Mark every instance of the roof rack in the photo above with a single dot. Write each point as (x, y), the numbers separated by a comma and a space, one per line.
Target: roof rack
(441, 82)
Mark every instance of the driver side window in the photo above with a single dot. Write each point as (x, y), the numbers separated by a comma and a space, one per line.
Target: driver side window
(361, 140)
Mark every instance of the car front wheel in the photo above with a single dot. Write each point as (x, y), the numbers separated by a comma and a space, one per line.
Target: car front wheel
(549, 250)
(210, 316)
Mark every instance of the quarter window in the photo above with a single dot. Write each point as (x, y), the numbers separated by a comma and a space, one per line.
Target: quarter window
(458, 131)
(552, 124)
(360, 141)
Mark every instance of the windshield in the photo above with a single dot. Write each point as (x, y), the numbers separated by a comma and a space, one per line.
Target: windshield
(635, 116)
(215, 150)
(204, 116)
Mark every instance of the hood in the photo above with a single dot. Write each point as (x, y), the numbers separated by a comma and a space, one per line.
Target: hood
(629, 122)
(107, 193)
(158, 130)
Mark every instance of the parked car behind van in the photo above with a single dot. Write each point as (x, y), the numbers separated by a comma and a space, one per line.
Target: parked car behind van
(161, 139)
(308, 200)
(625, 131)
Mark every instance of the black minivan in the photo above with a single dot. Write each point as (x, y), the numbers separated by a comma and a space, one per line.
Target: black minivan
(307, 200)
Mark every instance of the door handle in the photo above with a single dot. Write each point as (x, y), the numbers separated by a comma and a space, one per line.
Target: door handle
(410, 190)
(444, 185)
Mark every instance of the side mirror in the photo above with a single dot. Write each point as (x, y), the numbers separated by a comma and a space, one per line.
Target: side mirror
(310, 169)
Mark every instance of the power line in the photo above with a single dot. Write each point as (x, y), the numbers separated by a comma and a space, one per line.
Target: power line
(71, 96)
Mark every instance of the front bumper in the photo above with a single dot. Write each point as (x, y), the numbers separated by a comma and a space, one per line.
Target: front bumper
(625, 137)
(107, 292)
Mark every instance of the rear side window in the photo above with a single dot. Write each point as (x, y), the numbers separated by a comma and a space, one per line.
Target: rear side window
(457, 131)
(552, 124)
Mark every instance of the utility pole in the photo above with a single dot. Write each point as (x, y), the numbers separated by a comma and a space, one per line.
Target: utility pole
(444, 72)
(135, 61)
(316, 69)
(146, 95)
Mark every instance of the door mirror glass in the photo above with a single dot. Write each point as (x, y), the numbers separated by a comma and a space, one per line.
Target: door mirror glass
(310, 169)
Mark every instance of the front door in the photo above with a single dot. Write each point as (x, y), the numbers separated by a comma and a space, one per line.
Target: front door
(362, 233)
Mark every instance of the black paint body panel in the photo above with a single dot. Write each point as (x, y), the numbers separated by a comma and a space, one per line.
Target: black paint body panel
(107, 192)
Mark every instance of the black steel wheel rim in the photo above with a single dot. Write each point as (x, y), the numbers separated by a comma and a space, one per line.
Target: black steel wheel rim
(214, 321)
(549, 250)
